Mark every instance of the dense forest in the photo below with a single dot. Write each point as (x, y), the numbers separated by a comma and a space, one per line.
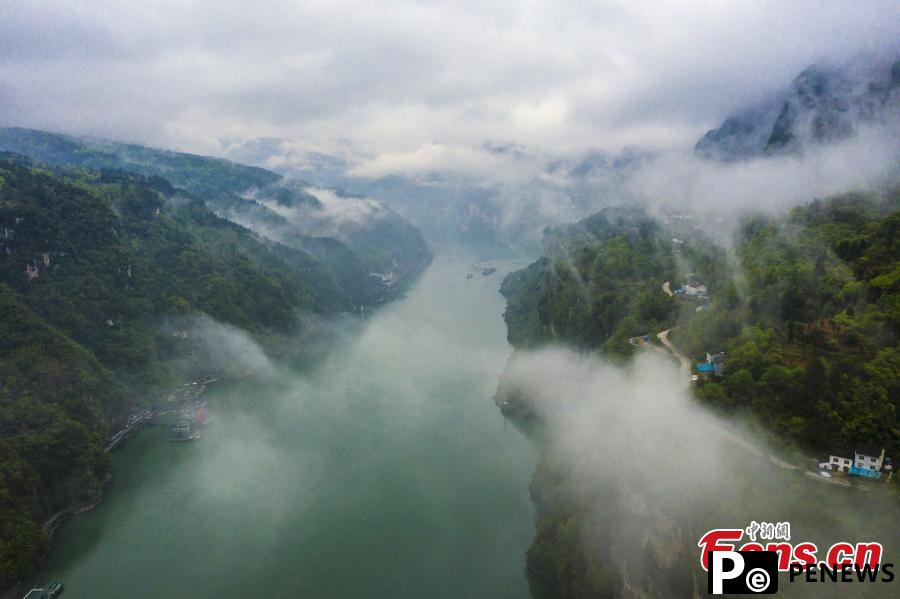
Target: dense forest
(90, 264)
(809, 320)
(199, 175)
(804, 305)
(597, 284)
(52, 396)
(353, 237)
(101, 273)
(810, 324)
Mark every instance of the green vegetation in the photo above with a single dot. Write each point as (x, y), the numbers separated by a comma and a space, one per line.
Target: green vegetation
(806, 307)
(810, 324)
(598, 284)
(202, 176)
(52, 395)
(360, 239)
(109, 248)
(356, 239)
(809, 320)
(114, 253)
(99, 271)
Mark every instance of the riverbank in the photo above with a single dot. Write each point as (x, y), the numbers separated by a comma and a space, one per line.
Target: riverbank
(185, 393)
(56, 520)
(51, 524)
(383, 454)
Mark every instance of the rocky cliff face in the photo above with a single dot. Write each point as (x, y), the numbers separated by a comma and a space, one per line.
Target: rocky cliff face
(823, 104)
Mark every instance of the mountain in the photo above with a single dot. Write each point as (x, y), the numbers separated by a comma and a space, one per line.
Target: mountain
(383, 250)
(110, 258)
(804, 307)
(91, 264)
(446, 209)
(202, 176)
(282, 156)
(52, 395)
(507, 202)
(356, 234)
(596, 285)
(814, 291)
(823, 104)
(116, 287)
(126, 270)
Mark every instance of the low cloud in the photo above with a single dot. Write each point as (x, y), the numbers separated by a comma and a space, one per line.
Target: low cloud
(205, 346)
(648, 471)
(565, 77)
(477, 164)
(867, 160)
(340, 210)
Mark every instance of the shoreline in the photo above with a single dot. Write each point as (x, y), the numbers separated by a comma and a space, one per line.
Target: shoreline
(59, 518)
(50, 526)
(117, 440)
(151, 417)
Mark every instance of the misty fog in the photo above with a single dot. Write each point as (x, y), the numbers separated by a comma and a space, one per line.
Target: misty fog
(654, 470)
(359, 442)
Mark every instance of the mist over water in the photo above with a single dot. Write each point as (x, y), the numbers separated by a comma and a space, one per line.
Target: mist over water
(380, 469)
(652, 471)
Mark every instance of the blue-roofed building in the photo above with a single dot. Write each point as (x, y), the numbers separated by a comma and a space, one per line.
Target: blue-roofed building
(866, 462)
(714, 365)
(865, 472)
(868, 458)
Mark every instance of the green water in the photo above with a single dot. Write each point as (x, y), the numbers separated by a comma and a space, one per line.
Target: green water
(383, 470)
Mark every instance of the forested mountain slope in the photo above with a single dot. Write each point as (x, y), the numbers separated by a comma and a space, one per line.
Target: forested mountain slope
(53, 393)
(805, 307)
(808, 318)
(597, 284)
(378, 241)
(810, 324)
(101, 275)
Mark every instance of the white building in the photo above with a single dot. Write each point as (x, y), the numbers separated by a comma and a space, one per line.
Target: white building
(868, 458)
(695, 290)
(837, 461)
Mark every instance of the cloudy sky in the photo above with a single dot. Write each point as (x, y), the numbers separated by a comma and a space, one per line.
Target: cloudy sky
(388, 79)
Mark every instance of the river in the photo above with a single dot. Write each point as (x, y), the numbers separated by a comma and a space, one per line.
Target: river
(381, 470)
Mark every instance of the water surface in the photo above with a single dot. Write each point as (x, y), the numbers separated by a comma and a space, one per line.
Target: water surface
(384, 470)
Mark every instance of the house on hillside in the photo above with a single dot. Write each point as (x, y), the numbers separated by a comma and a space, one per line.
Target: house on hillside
(714, 365)
(837, 460)
(867, 462)
(688, 290)
(690, 286)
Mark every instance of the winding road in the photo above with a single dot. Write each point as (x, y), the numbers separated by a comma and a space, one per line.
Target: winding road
(663, 337)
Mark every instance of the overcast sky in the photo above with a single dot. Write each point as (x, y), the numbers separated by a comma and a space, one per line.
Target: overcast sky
(391, 78)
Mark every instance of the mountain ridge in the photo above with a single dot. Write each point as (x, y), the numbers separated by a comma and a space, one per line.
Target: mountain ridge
(823, 104)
